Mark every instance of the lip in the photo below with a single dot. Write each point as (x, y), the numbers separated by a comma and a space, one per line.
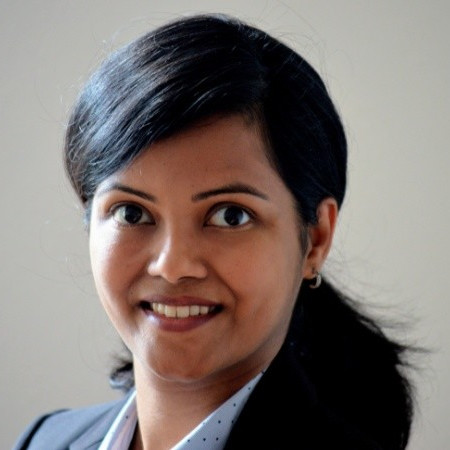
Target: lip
(179, 324)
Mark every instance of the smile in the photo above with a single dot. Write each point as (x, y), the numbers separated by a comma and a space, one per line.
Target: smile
(178, 312)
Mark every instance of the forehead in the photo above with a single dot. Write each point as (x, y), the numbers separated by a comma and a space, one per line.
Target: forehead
(224, 147)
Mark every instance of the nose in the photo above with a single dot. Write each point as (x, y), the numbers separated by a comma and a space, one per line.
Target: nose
(177, 257)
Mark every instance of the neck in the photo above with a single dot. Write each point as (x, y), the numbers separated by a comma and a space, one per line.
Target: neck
(174, 406)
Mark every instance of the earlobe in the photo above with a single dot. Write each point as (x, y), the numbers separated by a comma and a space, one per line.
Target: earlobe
(320, 237)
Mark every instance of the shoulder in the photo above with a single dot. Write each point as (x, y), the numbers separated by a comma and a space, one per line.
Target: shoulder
(285, 408)
(60, 429)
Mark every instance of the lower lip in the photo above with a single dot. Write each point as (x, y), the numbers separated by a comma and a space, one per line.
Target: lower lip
(178, 325)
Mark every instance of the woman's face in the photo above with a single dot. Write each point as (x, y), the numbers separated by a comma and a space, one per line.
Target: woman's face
(195, 251)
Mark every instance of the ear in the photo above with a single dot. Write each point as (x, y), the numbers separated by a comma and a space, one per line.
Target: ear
(320, 237)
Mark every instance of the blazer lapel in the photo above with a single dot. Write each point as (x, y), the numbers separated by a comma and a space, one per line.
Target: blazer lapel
(93, 436)
(278, 411)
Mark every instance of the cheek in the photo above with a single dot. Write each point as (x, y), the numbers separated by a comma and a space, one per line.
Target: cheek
(102, 248)
(265, 276)
(110, 263)
(113, 275)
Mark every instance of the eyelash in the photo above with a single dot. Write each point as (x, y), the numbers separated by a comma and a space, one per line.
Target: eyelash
(151, 221)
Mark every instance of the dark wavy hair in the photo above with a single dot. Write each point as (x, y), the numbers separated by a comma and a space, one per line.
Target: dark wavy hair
(212, 65)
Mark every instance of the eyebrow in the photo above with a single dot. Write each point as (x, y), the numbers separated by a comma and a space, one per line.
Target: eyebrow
(234, 188)
(128, 190)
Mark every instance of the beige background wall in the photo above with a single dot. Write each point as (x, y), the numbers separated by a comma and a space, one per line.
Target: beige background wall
(387, 65)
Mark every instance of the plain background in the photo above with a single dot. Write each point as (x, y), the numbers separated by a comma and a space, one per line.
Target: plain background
(386, 64)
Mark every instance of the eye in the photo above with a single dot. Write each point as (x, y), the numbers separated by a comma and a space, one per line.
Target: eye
(229, 216)
(129, 214)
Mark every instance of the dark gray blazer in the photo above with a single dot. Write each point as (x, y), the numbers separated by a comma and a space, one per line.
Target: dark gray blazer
(283, 412)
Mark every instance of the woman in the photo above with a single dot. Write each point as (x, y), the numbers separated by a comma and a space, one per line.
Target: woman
(211, 164)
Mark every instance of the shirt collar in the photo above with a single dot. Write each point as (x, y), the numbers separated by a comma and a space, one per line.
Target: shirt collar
(210, 434)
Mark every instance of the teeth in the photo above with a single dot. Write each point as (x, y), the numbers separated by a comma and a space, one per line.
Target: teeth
(181, 312)
(194, 310)
(170, 311)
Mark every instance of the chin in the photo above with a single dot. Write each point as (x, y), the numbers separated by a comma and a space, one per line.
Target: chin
(182, 370)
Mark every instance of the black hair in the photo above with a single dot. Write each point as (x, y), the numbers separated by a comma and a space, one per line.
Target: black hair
(211, 65)
(202, 66)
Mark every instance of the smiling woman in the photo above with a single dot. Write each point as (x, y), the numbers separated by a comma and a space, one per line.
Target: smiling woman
(209, 215)
(211, 163)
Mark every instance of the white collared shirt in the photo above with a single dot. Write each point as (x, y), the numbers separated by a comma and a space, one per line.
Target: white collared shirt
(210, 434)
